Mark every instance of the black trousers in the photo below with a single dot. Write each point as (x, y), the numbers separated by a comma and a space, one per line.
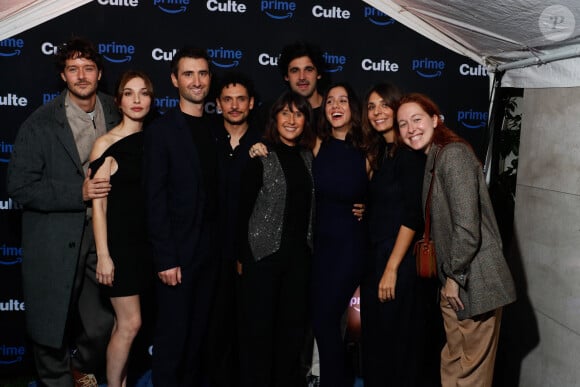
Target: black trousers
(89, 324)
(181, 328)
(223, 347)
(274, 317)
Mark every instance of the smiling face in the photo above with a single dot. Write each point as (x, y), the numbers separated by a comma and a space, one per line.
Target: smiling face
(135, 101)
(235, 104)
(337, 108)
(81, 76)
(290, 124)
(381, 116)
(302, 76)
(416, 126)
(192, 80)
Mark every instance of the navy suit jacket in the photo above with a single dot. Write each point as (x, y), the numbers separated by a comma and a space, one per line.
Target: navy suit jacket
(175, 197)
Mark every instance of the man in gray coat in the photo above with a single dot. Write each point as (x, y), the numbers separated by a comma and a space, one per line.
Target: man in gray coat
(67, 320)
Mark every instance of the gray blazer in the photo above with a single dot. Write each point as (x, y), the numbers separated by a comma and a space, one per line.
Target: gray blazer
(45, 176)
(463, 226)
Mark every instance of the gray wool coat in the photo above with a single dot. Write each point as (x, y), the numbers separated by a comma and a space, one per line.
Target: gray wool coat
(45, 176)
(463, 226)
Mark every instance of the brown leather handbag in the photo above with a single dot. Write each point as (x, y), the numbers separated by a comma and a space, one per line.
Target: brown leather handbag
(424, 249)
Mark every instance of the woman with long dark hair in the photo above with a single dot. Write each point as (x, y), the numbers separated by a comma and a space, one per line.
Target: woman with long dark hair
(124, 263)
(394, 310)
(340, 171)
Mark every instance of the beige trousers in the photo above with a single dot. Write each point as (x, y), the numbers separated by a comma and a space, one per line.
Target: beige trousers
(468, 357)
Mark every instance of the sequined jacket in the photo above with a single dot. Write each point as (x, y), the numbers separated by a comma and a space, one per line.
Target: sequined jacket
(265, 223)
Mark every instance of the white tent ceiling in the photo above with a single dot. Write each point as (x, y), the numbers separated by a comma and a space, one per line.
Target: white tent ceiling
(537, 42)
(20, 15)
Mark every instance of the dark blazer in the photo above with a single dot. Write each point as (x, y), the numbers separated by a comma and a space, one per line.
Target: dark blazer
(463, 226)
(45, 176)
(175, 199)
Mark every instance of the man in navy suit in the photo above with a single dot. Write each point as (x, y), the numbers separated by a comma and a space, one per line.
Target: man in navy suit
(181, 178)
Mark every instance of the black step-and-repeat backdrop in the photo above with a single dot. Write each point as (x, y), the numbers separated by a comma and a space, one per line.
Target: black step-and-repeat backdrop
(360, 45)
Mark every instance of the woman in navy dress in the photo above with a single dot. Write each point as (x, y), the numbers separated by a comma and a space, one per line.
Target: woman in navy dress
(124, 265)
(340, 175)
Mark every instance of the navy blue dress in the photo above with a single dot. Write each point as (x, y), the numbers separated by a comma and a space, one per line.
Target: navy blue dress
(340, 180)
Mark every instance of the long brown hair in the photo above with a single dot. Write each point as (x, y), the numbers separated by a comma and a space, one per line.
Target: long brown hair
(373, 139)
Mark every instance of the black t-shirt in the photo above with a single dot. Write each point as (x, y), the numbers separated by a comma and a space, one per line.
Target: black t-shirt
(206, 149)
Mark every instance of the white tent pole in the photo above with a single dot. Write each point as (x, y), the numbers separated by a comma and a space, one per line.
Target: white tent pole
(558, 54)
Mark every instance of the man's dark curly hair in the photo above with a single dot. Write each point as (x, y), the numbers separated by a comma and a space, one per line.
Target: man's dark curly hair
(299, 49)
(78, 48)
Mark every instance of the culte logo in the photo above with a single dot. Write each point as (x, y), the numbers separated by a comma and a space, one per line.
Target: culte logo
(12, 100)
(428, 68)
(472, 119)
(334, 63)
(116, 52)
(277, 9)
(382, 65)
(171, 6)
(477, 71)
(9, 205)
(377, 17)
(225, 58)
(211, 108)
(159, 54)
(48, 48)
(11, 255)
(120, 3)
(5, 151)
(230, 6)
(12, 306)
(11, 47)
(166, 103)
(266, 59)
(330, 13)
(11, 355)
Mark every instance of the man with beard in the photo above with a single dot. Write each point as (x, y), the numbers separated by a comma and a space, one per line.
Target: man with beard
(67, 320)
(234, 138)
(181, 180)
(301, 64)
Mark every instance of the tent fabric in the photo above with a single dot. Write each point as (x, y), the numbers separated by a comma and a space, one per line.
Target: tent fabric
(533, 41)
(17, 16)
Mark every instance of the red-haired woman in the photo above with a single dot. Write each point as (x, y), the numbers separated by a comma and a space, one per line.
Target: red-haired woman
(476, 281)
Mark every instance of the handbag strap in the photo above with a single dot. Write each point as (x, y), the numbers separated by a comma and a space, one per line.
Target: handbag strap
(427, 233)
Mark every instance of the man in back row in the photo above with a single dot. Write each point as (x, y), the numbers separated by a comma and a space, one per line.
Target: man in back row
(301, 65)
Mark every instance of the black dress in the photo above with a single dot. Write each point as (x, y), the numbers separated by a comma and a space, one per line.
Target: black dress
(394, 332)
(126, 232)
